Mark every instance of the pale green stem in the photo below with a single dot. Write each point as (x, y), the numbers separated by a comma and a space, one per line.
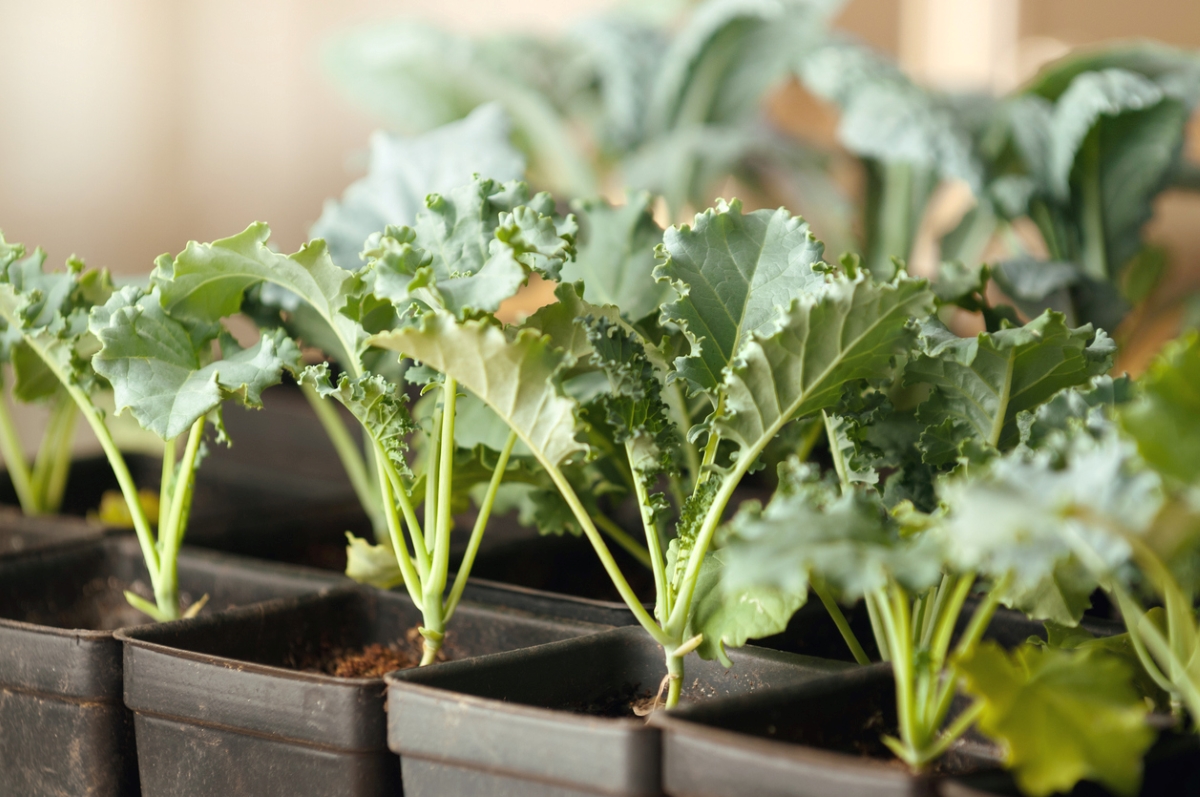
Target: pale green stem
(485, 512)
(947, 737)
(351, 456)
(431, 481)
(1002, 403)
(839, 620)
(683, 601)
(141, 525)
(1095, 259)
(399, 495)
(606, 560)
(937, 606)
(653, 545)
(14, 458)
(895, 623)
(412, 580)
(56, 484)
(1133, 616)
(943, 632)
(165, 487)
(675, 676)
(885, 652)
(711, 445)
(808, 441)
(61, 417)
(835, 452)
(166, 593)
(433, 625)
(624, 539)
(683, 419)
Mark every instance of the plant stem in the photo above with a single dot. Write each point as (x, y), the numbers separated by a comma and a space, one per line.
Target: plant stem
(14, 458)
(485, 511)
(141, 525)
(412, 580)
(623, 538)
(165, 487)
(56, 484)
(433, 625)
(399, 495)
(61, 421)
(675, 676)
(711, 445)
(653, 545)
(351, 456)
(606, 560)
(683, 419)
(431, 479)
(1094, 256)
(166, 593)
(839, 620)
(881, 640)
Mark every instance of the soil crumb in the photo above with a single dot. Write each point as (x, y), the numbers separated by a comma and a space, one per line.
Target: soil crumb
(623, 702)
(368, 661)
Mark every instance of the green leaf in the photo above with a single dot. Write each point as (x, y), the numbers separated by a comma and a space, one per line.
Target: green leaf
(566, 321)
(980, 384)
(728, 617)
(1063, 716)
(374, 401)
(812, 529)
(1165, 419)
(516, 378)
(634, 407)
(469, 249)
(402, 171)
(1046, 520)
(1162, 63)
(733, 272)
(372, 564)
(616, 256)
(208, 282)
(850, 330)
(156, 366)
(1091, 408)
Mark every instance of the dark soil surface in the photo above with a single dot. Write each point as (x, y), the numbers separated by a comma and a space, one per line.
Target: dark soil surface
(621, 702)
(367, 661)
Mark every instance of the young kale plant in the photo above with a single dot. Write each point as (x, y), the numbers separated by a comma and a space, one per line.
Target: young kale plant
(772, 335)
(172, 374)
(39, 485)
(467, 251)
(861, 537)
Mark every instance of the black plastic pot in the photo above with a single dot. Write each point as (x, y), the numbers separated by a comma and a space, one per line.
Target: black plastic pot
(64, 729)
(545, 721)
(814, 739)
(20, 533)
(1172, 767)
(221, 708)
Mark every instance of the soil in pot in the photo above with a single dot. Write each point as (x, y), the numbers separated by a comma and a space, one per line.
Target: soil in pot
(20, 533)
(275, 717)
(64, 728)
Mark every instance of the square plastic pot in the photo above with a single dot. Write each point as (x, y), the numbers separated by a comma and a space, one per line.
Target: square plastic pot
(20, 533)
(533, 722)
(814, 739)
(64, 728)
(218, 711)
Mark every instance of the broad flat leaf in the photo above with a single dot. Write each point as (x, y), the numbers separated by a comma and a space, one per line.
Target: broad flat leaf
(154, 364)
(1063, 716)
(372, 564)
(515, 378)
(811, 529)
(980, 384)
(850, 330)
(1109, 92)
(207, 282)
(1165, 419)
(729, 617)
(733, 272)
(371, 399)
(1162, 63)
(616, 256)
(1033, 284)
(1045, 519)
(402, 171)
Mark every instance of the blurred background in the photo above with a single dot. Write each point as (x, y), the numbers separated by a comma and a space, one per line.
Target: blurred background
(137, 125)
